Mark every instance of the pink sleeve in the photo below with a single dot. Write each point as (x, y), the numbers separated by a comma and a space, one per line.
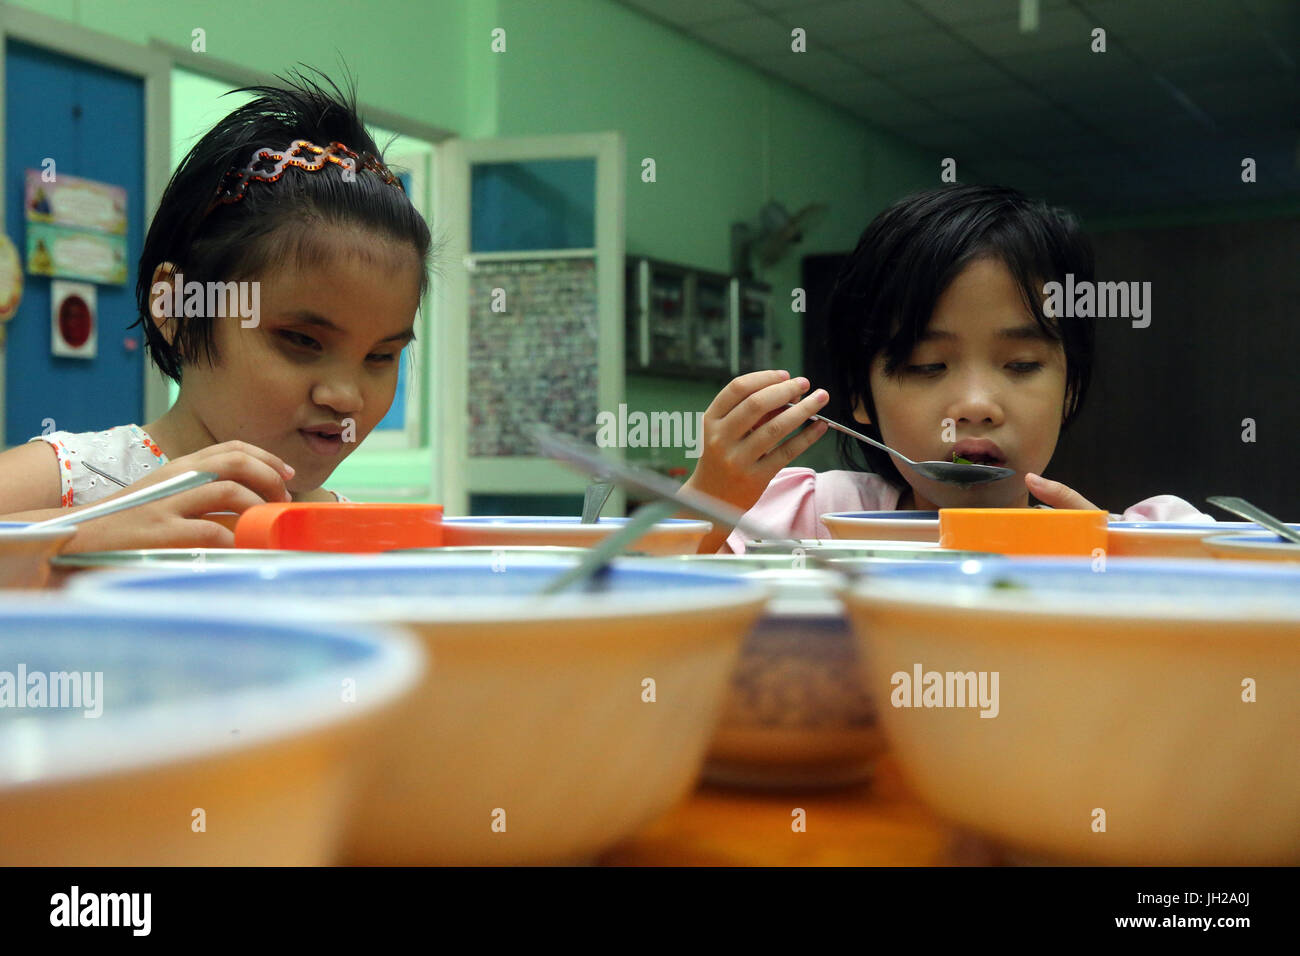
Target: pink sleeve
(794, 501)
(1165, 508)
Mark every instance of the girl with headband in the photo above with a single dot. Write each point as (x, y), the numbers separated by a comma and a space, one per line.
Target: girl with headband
(278, 286)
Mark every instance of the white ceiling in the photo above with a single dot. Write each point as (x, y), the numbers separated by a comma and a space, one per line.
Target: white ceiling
(1185, 90)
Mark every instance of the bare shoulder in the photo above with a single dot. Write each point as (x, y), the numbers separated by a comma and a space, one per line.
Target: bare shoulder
(29, 478)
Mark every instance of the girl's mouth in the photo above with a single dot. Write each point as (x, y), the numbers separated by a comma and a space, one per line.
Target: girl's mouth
(979, 451)
(325, 442)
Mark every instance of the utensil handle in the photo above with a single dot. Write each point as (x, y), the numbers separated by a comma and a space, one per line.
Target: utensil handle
(858, 435)
(598, 492)
(164, 489)
(599, 556)
(589, 460)
(1244, 509)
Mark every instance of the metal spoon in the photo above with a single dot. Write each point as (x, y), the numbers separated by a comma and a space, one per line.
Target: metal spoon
(949, 471)
(164, 489)
(597, 559)
(1243, 508)
(587, 459)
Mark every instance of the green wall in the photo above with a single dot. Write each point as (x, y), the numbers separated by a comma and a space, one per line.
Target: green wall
(725, 138)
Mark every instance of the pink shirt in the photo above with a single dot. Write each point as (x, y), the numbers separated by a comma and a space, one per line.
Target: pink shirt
(795, 500)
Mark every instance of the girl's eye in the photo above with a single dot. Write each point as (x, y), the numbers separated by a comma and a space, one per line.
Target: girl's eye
(298, 339)
(1024, 367)
(932, 369)
(376, 357)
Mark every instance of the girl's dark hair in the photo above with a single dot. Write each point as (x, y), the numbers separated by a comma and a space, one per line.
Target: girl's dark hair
(885, 294)
(274, 222)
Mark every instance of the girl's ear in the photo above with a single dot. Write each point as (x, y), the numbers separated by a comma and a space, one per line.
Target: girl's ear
(860, 413)
(162, 298)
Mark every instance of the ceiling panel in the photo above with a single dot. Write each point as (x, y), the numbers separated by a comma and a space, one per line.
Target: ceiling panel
(1183, 91)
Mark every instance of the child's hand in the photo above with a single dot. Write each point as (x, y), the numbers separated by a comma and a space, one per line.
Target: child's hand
(1056, 495)
(246, 476)
(743, 428)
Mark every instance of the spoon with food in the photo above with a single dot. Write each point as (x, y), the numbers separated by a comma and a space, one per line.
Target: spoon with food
(959, 471)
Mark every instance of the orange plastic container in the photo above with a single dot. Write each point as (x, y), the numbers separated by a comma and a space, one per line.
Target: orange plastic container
(340, 526)
(1041, 531)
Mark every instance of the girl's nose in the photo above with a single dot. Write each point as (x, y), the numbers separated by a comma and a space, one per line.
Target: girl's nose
(977, 400)
(339, 394)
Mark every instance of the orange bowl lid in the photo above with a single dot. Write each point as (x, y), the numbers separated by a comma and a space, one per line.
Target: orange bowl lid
(1023, 530)
(339, 526)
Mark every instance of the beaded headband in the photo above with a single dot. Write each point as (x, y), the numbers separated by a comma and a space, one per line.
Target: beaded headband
(267, 165)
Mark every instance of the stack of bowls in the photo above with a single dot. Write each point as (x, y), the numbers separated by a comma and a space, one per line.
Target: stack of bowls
(884, 525)
(667, 537)
(798, 713)
(194, 737)
(549, 727)
(1143, 715)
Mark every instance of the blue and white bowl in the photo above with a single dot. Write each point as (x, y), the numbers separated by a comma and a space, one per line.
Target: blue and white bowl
(186, 737)
(551, 727)
(670, 536)
(1144, 714)
(1169, 539)
(884, 525)
(1260, 546)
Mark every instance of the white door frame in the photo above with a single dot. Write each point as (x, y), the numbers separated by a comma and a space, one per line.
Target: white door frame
(154, 70)
(534, 475)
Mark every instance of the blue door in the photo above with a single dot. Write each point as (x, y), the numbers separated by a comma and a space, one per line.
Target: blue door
(90, 121)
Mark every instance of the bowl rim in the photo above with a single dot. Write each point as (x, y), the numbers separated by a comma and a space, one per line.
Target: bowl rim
(1179, 528)
(567, 523)
(902, 588)
(160, 733)
(24, 531)
(133, 556)
(118, 587)
(1253, 541)
(882, 516)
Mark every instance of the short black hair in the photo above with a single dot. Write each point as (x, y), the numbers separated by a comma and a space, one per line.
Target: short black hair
(274, 221)
(885, 294)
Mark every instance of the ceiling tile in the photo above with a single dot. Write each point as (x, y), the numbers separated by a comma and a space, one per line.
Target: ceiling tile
(949, 138)
(1058, 29)
(977, 106)
(968, 76)
(849, 20)
(908, 51)
(1159, 32)
(972, 11)
(685, 12)
(749, 37)
(816, 69)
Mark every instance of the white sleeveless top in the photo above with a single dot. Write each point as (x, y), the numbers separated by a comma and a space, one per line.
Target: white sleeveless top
(126, 452)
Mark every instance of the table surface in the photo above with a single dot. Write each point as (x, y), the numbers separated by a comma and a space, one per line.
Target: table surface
(880, 823)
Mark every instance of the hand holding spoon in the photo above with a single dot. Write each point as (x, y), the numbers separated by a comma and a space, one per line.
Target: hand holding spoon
(956, 473)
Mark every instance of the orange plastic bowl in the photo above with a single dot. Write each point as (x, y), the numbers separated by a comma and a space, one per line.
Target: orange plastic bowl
(1040, 531)
(340, 526)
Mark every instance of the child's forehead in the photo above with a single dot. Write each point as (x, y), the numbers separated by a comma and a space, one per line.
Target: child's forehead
(326, 249)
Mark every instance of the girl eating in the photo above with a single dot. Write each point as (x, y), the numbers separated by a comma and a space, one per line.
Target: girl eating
(285, 205)
(941, 345)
